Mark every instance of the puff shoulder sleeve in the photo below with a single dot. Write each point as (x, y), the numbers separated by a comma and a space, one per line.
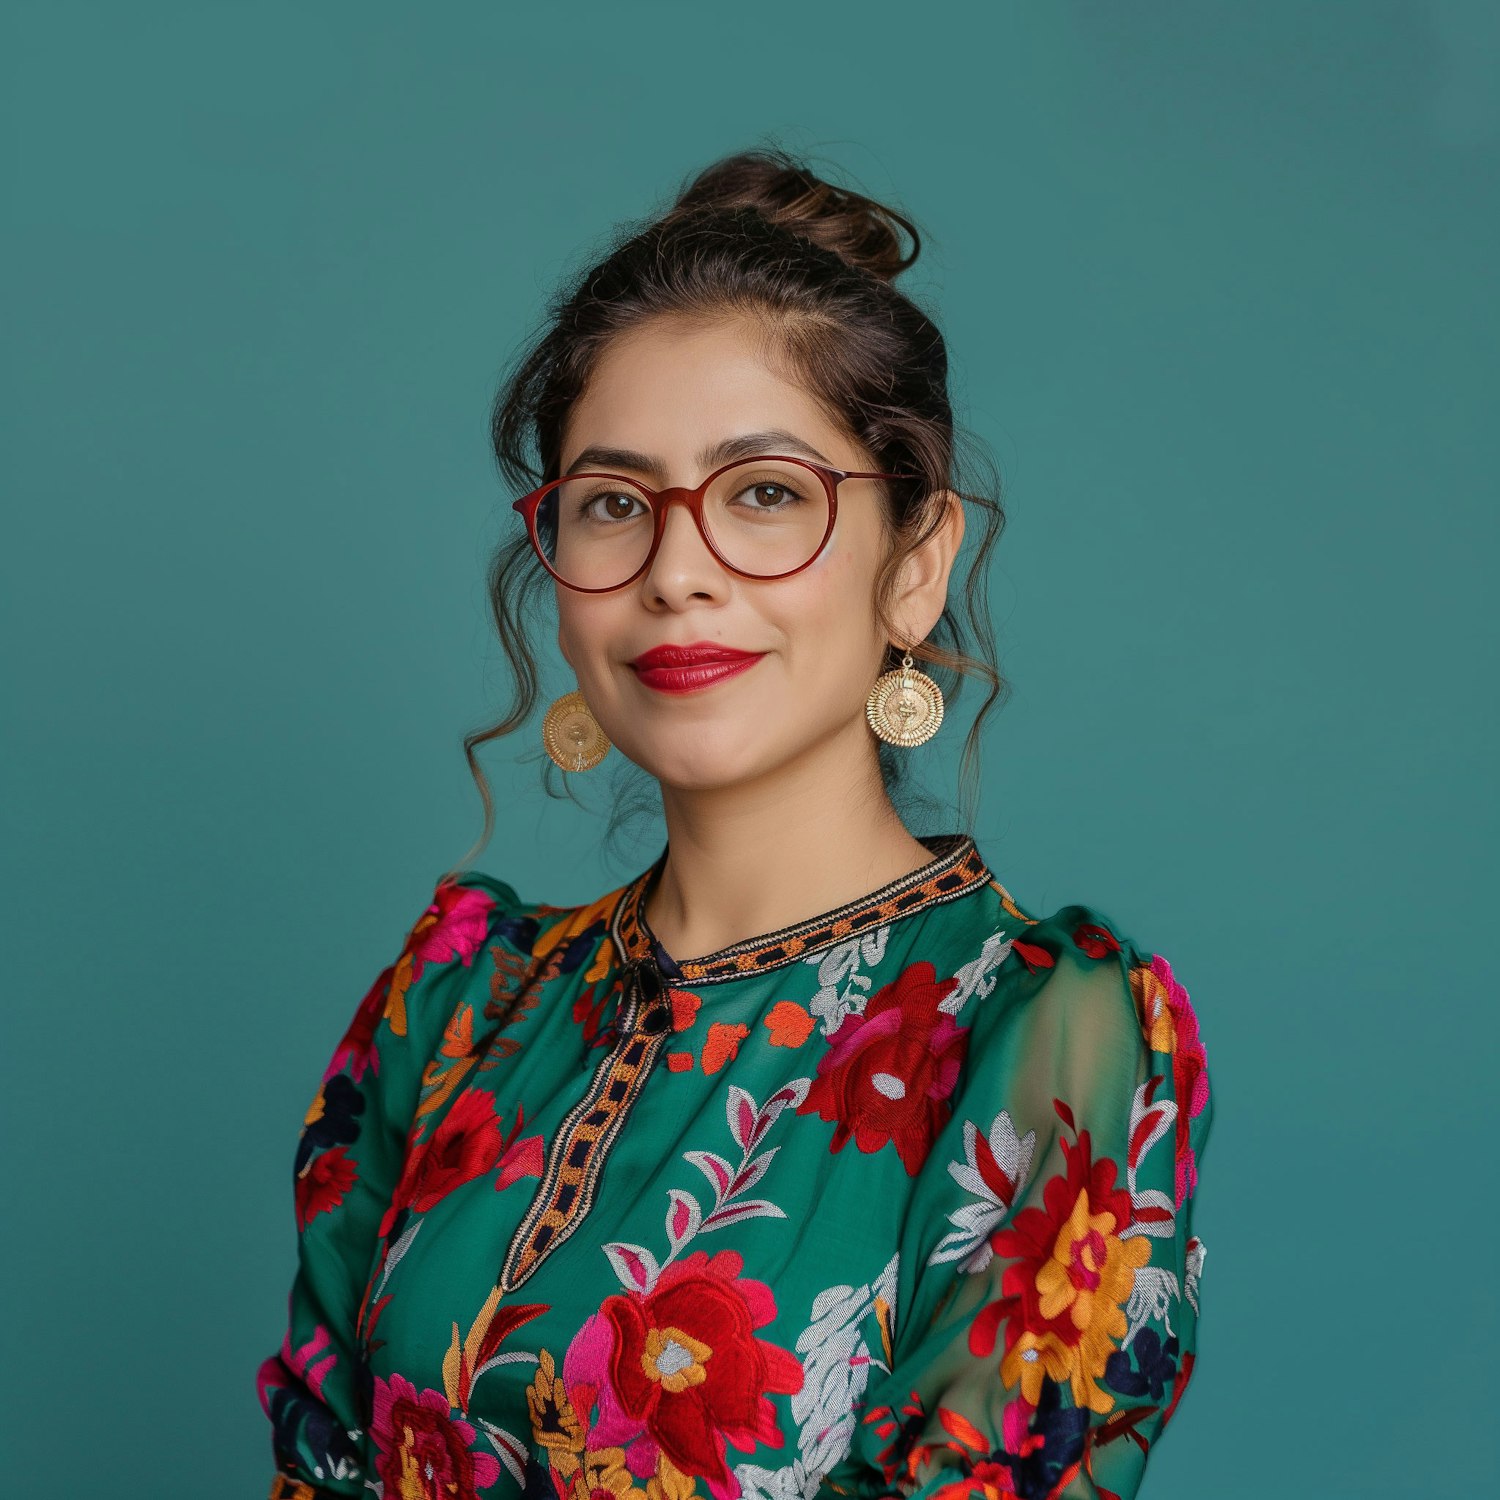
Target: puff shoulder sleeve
(1049, 1265)
(347, 1177)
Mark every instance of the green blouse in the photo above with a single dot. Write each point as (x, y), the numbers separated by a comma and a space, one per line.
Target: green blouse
(894, 1201)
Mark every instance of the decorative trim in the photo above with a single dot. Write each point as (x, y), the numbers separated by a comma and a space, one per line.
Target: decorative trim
(956, 870)
(583, 1139)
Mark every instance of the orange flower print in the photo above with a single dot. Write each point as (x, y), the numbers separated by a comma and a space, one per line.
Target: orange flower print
(1071, 1272)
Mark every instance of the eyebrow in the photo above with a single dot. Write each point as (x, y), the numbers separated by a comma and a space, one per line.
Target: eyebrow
(750, 445)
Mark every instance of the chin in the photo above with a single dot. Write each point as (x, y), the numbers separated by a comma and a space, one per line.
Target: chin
(703, 762)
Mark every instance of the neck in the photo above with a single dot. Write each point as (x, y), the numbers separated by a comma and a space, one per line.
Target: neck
(750, 858)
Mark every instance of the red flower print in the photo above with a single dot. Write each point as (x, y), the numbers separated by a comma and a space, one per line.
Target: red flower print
(323, 1184)
(466, 1145)
(1171, 1025)
(990, 1480)
(1033, 955)
(678, 1372)
(1070, 1274)
(356, 1050)
(1094, 940)
(422, 1449)
(887, 1073)
(525, 1158)
(974, 1473)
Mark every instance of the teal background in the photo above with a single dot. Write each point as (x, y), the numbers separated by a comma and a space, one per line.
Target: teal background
(1218, 282)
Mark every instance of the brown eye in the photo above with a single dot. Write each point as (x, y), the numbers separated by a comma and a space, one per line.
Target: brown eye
(609, 505)
(769, 497)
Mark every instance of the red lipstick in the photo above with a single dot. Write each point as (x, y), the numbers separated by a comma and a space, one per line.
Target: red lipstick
(686, 669)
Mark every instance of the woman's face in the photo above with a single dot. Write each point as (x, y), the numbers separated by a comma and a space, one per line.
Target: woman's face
(671, 392)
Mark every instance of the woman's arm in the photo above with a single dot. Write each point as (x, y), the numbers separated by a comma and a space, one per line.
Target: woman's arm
(316, 1389)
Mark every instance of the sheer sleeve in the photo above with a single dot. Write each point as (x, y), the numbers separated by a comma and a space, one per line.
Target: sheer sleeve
(348, 1187)
(1053, 1273)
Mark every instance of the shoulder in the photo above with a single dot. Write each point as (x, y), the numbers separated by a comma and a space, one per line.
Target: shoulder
(466, 914)
(1157, 992)
(1079, 954)
(1101, 996)
(1091, 1023)
(473, 911)
(466, 908)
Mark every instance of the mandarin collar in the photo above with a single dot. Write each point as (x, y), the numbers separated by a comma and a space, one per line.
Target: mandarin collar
(955, 869)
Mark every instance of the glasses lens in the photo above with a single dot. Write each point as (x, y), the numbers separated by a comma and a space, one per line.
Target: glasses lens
(765, 516)
(595, 530)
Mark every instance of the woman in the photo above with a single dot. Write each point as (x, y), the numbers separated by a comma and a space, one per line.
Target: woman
(887, 1190)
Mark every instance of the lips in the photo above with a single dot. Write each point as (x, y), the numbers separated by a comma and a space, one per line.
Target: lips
(695, 654)
(686, 669)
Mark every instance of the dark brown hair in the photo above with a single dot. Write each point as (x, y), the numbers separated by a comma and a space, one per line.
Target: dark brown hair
(759, 234)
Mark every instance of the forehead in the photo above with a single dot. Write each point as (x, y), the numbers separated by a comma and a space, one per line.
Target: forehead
(673, 391)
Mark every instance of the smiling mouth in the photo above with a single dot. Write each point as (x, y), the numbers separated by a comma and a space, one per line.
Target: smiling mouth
(696, 676)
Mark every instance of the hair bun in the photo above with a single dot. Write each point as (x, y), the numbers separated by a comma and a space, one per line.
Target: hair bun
(785, 191)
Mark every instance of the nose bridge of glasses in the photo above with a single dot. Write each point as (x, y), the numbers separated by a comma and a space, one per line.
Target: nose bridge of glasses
(684, 498)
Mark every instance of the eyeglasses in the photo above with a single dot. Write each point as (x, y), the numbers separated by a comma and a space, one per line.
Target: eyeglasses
(766, 517)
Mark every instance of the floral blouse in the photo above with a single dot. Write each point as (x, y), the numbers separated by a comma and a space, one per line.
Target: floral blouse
(894, 1201)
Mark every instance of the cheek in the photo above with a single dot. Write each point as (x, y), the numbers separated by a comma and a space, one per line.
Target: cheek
(830, 619)
(585, 627)
(844, 584)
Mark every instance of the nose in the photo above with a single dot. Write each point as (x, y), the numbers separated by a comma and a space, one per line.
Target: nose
(683, 564)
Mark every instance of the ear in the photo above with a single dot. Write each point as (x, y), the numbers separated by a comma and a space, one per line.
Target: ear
(923, 590)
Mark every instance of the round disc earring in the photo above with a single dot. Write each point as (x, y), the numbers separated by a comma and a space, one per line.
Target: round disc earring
(571, 734)
(905, 706)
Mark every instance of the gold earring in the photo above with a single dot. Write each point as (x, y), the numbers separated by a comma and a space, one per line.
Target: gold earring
(572, 735)
(905, 706)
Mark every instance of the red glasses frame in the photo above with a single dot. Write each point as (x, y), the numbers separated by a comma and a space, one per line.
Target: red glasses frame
(663, 500)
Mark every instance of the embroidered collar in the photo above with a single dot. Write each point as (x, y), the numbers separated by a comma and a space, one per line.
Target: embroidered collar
(956, 869)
